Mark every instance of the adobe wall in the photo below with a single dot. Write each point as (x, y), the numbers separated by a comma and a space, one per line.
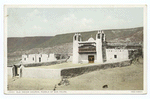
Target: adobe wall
(71, 72)
(121, 54)
(51, 57)
(44, 63)
(70, 59)
(38, 58)
(10, 71)
(41, 73)
(30, 72)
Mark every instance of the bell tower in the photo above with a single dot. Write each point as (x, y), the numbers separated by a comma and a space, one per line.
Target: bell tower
(100, 39)
(76, 40)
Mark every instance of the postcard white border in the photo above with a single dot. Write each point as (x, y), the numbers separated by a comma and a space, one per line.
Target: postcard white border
(144, 91)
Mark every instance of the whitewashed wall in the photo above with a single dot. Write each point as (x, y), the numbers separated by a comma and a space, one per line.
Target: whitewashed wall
(122, 54)
(44, 58)
(41, 73)
(31, 58)
(24, 58)
(34, 58)
(51, 57)
(75, 52)
(84, 58)
(37, 57)
(9, 71)
(70, 59)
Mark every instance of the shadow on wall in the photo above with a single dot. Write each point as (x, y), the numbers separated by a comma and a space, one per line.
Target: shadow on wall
(73, 72)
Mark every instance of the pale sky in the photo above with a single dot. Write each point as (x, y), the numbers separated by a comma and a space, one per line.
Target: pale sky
(23, 22)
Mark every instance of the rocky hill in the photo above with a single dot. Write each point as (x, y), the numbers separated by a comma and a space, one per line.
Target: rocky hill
(63, 43)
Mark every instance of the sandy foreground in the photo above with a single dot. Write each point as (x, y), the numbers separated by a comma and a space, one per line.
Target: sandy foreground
(119, 78)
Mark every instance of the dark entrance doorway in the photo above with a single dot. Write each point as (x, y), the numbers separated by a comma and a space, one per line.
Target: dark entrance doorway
(91, 58)
(16, 70)
(39, 59)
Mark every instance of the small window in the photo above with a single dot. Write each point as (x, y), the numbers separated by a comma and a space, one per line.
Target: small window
(24, 58)
(33, 58)
(115, 56)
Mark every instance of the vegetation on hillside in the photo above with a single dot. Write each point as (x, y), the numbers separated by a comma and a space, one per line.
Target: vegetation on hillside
(24, 43)
(112, 35)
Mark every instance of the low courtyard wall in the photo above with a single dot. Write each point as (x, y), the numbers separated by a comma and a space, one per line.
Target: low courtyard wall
(33, 72)
(41, 73)
(75, 71)
(10, 71)
(28, 72)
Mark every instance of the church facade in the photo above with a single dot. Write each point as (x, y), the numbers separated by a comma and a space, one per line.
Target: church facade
(96, 50)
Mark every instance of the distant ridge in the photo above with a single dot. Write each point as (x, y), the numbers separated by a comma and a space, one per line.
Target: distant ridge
(134, 35)
(30, 37)
(25, 43)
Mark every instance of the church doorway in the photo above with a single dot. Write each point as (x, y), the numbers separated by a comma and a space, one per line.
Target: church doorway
(91, 58)
(39, 59)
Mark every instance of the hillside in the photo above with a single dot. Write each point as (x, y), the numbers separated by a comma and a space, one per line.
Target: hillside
(24, 43)
(52, 44)
(112, 35)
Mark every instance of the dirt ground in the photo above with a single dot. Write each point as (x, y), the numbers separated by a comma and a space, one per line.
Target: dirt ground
(119, 78)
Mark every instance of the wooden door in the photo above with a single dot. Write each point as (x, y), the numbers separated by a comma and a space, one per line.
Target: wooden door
(91, 58)
(39, 59)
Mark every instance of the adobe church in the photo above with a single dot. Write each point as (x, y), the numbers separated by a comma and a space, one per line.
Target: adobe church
(96, 51)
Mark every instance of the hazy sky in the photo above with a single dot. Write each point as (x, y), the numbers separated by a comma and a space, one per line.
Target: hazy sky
(51, 21)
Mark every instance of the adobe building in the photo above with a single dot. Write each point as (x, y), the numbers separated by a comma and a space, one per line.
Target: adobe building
(37, 58)
(96, 50)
